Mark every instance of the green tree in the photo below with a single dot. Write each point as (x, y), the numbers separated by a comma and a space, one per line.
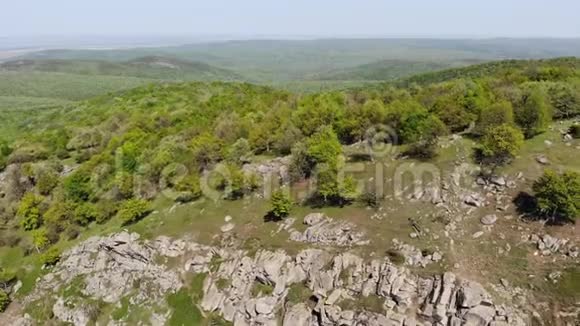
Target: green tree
(206, 150)
(85, 213)
(281, 204)
(558, 195)
(534, 114)
(326, 109)
(240, 152)
(133, 210)
(29, 212)
(77, 186)
(417, 124)
(46, 180)
(323, 146)
(495, 115)
(499, 145)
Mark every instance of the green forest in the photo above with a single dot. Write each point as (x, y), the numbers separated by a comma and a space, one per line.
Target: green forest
(71, 167)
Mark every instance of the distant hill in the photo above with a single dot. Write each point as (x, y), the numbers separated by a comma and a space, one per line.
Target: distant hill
(386, 70)
(292, 60)
(151, 67)
(534, 69)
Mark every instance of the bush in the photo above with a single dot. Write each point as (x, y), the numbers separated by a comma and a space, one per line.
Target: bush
(281, 204)
(133, 210)
(77, 186)
(46, 180)
(558, 195)
(50, 257)
(499, 145)
(40, 239)
(29, 212)
(4, 300)
(106, 209)
(85, 213)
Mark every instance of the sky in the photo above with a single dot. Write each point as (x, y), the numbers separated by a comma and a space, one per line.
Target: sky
(291, 18)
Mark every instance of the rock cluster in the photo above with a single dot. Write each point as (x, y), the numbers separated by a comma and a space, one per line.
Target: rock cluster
(326, 231)
(408, 299)
(414, 256)
(110, 266)
(548, 245)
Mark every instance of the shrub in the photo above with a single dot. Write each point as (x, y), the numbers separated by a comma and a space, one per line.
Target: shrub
(77, 186)
(558, 195)
(499, 145)
(85, 213)
(50, 257)
(106, 209)
(133, 210)
(40, 239)
(46, 180)
(281, 204)
(29, 212)
(4, 300)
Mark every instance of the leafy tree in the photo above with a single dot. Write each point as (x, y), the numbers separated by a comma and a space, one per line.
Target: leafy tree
(418, 124)
(361, 118)
(206, 150)
(495, 115)
(558, 195)
(326, 109)
(133, 210)
(40, 239)
(323, 146)
(564, 99)
(239, 183)
(77, 186)
(85, 213)
(240, 152)
(281, 204)
(29, 212)
(301, 164)
(60, 213)
(534, 115)
(4, 300)
(499, 145)
(286, 136)
(46, 180)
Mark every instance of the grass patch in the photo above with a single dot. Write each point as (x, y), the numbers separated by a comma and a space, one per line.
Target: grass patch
(184, 312)
(298, 293)
(371, 303)
(260, 289)
(122, 311)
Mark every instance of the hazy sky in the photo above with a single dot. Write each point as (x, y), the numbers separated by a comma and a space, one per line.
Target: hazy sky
(557, 18)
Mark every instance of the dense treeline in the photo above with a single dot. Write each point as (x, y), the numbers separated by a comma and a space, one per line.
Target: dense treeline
(111, 155)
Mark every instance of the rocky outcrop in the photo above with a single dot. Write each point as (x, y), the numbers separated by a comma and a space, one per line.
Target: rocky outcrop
(414, 256)
(254, 290)
(326, 231)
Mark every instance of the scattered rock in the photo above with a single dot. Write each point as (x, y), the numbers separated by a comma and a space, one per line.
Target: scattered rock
(489, 219)
(227, 227)
(542, 159)
(326, 231)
